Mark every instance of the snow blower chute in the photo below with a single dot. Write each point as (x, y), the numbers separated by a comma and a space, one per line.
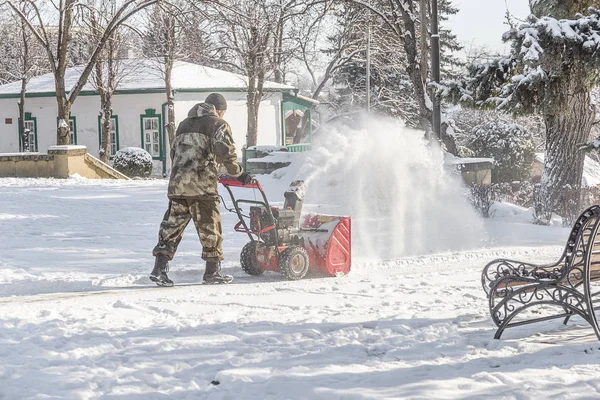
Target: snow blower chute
(280, 240)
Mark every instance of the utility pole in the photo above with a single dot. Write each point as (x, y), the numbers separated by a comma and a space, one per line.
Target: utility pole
(435, 68)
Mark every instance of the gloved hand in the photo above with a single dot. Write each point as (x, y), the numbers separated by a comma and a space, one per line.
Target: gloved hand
(245, 178)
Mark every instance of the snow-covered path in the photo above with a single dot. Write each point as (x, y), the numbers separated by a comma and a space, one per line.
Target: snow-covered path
(79, 321)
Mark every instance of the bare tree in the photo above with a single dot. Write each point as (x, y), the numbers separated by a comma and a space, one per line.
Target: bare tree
(245, 33)
(171, 34)
(58, 55)
(402, 19)
(108, 69)
(162, 35)
(254, 36)
(22, 58)
(321, 60)
(288, 15)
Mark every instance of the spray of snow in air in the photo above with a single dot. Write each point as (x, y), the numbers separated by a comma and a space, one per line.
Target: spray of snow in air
(401, 200)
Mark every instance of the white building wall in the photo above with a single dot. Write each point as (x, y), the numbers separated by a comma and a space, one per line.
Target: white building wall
(9, 140)
(269, 118)
(86, 109)
(129, 108)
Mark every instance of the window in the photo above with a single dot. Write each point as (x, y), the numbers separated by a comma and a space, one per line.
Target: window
(114, 134)
(151, 136)
(29, 137)
(28, 134)
(151, 133)
(72, 130)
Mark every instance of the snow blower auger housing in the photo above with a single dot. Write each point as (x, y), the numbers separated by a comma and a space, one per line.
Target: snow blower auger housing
(281, 240)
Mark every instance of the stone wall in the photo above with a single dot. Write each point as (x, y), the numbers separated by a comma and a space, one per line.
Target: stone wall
(59, 162)
(26, 165)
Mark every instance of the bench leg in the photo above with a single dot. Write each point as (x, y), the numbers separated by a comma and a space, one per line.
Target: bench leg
(569, 315)
(499, 332)
(507, 322)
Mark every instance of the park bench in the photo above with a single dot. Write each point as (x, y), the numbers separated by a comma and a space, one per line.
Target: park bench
(558, 290)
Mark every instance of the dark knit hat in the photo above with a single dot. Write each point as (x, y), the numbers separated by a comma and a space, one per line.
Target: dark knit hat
(217, 100)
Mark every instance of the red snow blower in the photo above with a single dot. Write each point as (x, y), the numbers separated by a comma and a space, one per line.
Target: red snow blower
(279, 242)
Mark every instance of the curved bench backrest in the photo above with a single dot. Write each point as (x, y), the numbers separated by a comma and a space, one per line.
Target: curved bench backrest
(583, 239)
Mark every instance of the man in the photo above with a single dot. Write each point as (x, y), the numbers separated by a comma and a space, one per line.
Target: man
(202, 141)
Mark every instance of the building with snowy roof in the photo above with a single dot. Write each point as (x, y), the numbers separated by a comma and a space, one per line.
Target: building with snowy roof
(139, 109)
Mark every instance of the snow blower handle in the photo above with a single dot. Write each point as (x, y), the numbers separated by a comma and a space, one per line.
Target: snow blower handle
(227, 180)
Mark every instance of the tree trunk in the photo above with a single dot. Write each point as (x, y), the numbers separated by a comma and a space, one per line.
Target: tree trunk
(26, 71)
(170, 125)
(106, 105)
(413, 67)
(64, 112)
(567, 128)
(278, 52)
(22, 115)
(423, 39)
(252, 133)
(252, 106)
(62, 56)
(171, 128)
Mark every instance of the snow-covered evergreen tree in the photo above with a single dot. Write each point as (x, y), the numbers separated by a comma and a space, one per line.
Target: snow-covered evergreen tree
(551, 70)
(509, 144)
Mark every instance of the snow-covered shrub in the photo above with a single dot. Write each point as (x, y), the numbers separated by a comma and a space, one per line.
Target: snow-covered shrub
(482, 198)
(519, 193)
(133, 162)
(509, 144)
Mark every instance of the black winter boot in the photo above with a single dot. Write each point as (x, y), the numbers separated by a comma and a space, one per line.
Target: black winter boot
(212, 274)
(159, 273)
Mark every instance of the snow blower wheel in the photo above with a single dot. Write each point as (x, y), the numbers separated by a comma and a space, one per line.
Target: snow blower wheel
(293, 262)
(248, 260)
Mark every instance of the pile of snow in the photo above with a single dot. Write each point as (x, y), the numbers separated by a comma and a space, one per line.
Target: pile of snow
(133, 162)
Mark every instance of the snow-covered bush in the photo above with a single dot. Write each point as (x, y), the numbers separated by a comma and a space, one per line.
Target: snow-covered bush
(133, 162)
(510, 145)
(482, 198)
(519, 193)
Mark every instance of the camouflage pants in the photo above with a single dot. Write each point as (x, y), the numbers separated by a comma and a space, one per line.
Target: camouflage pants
(207, 219)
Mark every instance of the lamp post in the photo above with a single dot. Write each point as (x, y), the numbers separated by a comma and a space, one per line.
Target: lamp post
(435, 67)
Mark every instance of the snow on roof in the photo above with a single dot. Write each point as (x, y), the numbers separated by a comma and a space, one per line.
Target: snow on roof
(450, 159)
(276, 157)
(146, 74)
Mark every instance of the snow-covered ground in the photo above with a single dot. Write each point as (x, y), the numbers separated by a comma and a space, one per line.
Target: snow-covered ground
(79, 318)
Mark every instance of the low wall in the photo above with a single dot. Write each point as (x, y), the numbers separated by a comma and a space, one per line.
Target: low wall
(60, 162)
(26, 165)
